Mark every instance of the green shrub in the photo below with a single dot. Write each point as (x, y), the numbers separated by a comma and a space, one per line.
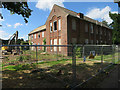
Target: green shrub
(20, 58)
(28, 57)
(78, 52)
(6, 58)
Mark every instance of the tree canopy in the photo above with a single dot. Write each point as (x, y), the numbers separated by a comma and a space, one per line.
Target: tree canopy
(116, 27)
(20, 8)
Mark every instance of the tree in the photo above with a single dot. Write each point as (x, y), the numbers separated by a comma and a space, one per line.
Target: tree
(20, 8)
(105, 23)
(116, 27)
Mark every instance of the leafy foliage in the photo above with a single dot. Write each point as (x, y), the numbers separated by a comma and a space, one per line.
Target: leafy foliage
(20, 8)
(78, 52)
(116, 27)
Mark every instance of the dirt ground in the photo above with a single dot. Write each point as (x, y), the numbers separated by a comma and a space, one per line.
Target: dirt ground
(112, 80)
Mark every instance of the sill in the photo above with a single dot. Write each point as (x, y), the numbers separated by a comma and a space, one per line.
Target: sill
(55, 31)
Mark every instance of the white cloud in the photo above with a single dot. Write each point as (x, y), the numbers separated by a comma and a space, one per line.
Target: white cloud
(25, 37)
(17, 24)
(1, 20)
(26, 24)
(4, 35)
(98, 13)
(48, 4)
(8, 25)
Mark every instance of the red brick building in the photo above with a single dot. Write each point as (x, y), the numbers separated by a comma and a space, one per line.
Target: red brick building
(65, 27)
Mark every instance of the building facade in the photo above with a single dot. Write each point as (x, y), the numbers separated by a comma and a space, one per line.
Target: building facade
(65, 27)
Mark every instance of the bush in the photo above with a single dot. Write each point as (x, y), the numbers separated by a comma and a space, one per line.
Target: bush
(20, 58)
(78, 52)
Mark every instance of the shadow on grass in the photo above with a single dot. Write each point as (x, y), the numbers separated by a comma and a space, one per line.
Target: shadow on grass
(29, 76)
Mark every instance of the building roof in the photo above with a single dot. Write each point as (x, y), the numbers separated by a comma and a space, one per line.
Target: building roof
(43, 27)
(72, 13)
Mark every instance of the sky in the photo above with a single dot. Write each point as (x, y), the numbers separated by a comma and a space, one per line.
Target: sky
(41, 10)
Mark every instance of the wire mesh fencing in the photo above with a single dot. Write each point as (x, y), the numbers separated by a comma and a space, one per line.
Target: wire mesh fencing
(63, 66)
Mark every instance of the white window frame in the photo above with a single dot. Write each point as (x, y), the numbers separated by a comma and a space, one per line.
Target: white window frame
(73, 24)
(51, 44)
(42, 34)
(55, 48)
(59, 44)
(50, 27)
(34, 36)
(59, 24)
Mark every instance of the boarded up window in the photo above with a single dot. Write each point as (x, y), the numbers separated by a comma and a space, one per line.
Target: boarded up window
(73, 24)
(74, 40)
(86, 27)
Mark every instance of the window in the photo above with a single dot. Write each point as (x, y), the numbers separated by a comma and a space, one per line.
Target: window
(35, 36)
(55, 25)
(86, 27)
(50, 44)
(91, 41)
(105, 42)
(38, 46)
(42, 34)
(55, 43)
(29, 37)
(97, 41)
(86, 41)
(101, 31)
(59, 24)
(91, 28)
(59, 44)
(109, 35)
(38, 35)
(73, 24)
(32, 36)
(97, 30)
(51, 27)
(74, 40)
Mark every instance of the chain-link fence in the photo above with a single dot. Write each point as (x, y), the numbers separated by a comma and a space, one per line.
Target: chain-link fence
(55, 66)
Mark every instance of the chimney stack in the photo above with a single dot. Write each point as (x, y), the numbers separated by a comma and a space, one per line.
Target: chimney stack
(80, 15)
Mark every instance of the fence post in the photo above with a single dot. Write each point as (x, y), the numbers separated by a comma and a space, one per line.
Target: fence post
(57, 53)
(83, 51)
(118, 65)
(102, 54)
(36, 53)
(73, 66)
(102, 58)
(113, 52)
